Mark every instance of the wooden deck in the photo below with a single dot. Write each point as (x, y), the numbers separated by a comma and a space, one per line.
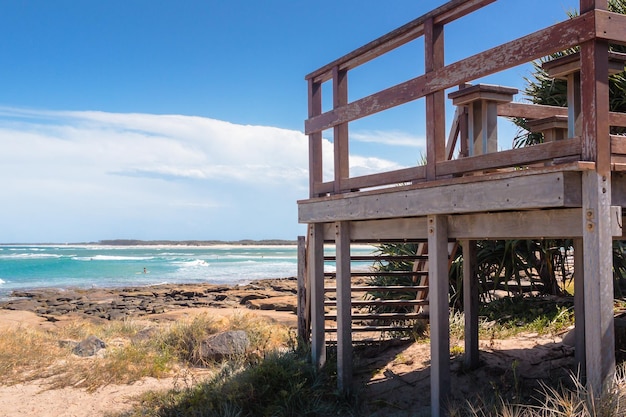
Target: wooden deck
(573, 185)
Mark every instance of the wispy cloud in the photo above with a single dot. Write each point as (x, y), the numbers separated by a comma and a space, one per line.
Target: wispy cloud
(197, 176)
(389, 138)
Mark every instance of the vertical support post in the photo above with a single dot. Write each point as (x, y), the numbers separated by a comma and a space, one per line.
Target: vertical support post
(303, 307)
(598, 282)
(316, 276)
(579, 304)
(435, 102)
(344, 307)
(470, 304)
(340, 132)
(315, 139)
(574, 112)
(596, 200)
(439, 313)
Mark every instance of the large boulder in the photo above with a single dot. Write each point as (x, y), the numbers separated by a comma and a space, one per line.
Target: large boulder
(224, 345)
(89, 346)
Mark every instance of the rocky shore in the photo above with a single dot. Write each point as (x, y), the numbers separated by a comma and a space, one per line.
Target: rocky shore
(132, 302)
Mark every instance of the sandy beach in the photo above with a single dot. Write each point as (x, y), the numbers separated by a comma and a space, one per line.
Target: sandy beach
(388, 374)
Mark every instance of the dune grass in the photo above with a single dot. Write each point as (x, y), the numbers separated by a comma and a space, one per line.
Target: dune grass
(135, 349)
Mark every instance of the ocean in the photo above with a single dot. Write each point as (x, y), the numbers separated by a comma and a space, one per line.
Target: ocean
(87, 266)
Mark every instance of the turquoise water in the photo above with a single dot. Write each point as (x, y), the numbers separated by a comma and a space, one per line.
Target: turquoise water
(63, 266)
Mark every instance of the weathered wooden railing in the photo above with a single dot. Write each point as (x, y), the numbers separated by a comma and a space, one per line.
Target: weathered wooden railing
(595, 24)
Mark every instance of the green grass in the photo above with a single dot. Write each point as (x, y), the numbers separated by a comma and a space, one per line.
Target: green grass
(279, 385)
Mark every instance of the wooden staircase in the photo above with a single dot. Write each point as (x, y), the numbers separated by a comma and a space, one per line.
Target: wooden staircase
(374, 308)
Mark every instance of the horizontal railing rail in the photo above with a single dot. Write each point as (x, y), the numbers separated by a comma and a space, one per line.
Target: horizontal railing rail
(594, 25)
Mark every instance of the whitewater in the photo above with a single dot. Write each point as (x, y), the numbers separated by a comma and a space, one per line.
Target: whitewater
(90, 266)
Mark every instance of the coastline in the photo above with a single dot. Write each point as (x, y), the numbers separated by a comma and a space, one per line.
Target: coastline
(275, 298)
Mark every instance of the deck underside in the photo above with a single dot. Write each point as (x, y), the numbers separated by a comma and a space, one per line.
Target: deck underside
(531, 205)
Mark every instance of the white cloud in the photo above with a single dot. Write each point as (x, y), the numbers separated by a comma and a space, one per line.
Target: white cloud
(151, 176)
(389, 138)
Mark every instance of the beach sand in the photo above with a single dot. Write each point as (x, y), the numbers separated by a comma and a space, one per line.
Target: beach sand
(392, 376)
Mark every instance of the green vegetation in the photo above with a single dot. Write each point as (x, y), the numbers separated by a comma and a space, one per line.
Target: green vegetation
(281, 384)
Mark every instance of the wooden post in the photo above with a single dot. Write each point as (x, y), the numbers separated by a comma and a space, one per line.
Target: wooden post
(435, 102)
(344, 307)
(302, 307)
(579, 304)
(316, 276)
(596, 199)
(340, 132)
(315, 139)
(470, 304)
(574, 112)
(598, 282)
(439, 313)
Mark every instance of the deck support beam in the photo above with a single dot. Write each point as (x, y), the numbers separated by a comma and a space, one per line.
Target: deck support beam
(316, 279)
(344, 307)
(470, 304)
(439, 313)
(598, 283)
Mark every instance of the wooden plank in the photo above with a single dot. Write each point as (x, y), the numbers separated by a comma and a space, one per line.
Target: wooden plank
(377, 273)
(340, 132)
(618, 144)
(302, 305)
(611, 27)
(579, 303)
(470, 304)
(595, 95)
(398, 228)
(435, 101)
(534, 46)
(446, 13)
(439, 314)
(555, 189)
(382, 316)
(617, 119)
(331, 303)
(387, 288)
(511, 158)
(357, 329)
(533, 224)
(566, 165)
(400, 176)
(525, 224)
(344, 307)
(315, 266)
(598, 282)
(618, 188)
(315, 138)
(455, 131)
(530, 111)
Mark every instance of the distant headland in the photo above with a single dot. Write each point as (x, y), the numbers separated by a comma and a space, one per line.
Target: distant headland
(137, 242)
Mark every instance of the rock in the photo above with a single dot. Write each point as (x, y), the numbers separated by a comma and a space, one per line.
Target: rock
(89, 346)
(284, 303)
(144, 334)
(225, 344)
(117, 314)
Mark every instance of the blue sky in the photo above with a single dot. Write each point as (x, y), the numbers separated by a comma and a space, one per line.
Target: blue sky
(152, 119)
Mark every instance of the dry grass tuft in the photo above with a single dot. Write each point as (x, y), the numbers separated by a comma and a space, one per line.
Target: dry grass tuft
(164, 350)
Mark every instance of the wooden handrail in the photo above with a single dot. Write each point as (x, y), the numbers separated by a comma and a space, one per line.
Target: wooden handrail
(594, 24)
(520, 51)
(414, 29)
